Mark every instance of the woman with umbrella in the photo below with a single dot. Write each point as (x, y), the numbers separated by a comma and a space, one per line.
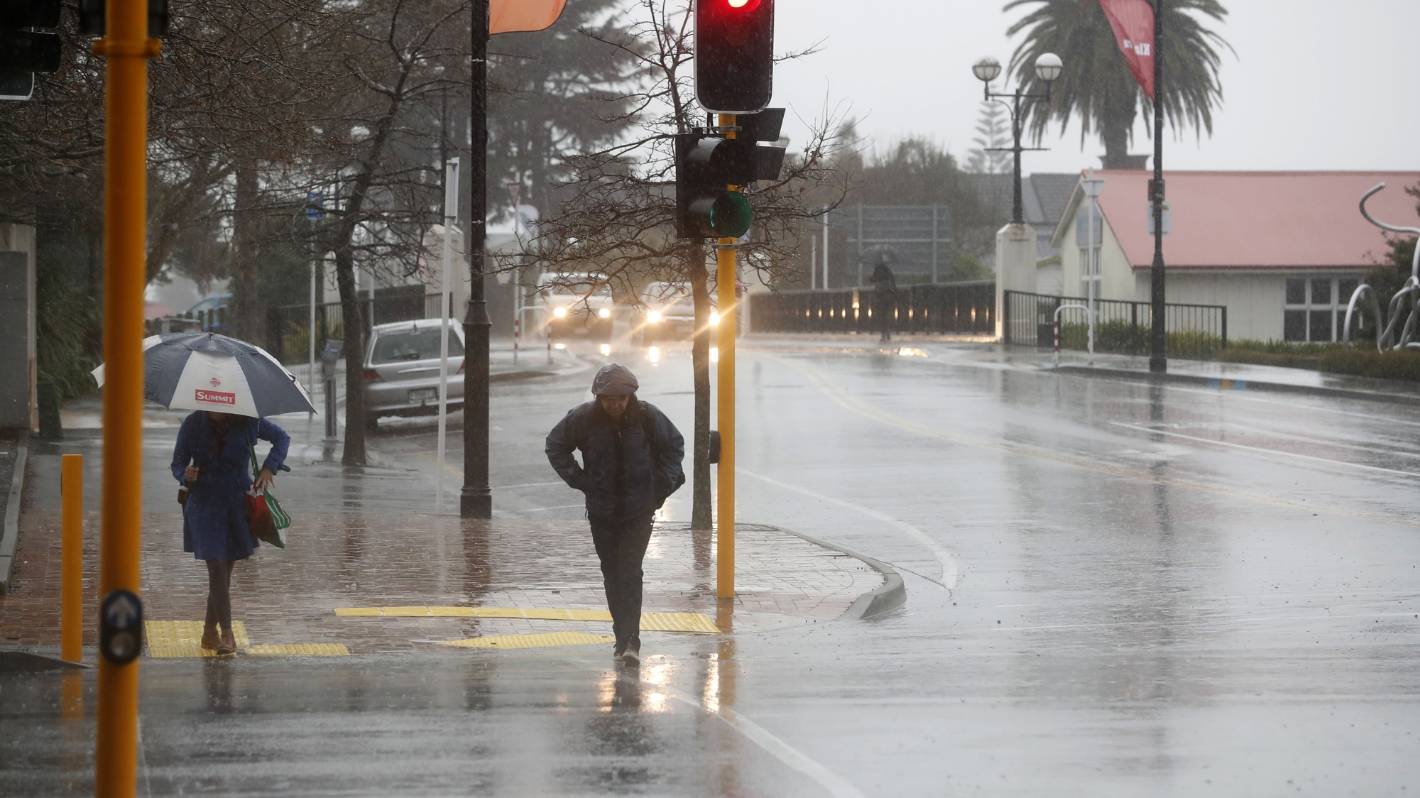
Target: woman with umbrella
(231, 386)
(211, 460)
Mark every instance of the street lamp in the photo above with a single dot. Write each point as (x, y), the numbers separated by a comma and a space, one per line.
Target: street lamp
(1047, 68)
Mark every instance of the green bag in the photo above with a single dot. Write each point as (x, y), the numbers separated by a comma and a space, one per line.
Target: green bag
(269, 533)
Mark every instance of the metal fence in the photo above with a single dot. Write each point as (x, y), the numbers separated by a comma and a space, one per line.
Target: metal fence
(966, 308)
(1121, 326)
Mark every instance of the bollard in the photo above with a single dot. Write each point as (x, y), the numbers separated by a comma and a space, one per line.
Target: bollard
(71, 569)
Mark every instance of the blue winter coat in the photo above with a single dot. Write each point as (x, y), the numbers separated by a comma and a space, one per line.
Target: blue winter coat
(619, 474)
(214, 518)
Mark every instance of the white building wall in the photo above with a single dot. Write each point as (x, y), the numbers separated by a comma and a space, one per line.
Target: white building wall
(1254, 301)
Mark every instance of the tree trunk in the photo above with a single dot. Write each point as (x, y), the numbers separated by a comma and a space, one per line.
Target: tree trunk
(700, 516)
(246, 315)
(1115, 125)
(353, 325)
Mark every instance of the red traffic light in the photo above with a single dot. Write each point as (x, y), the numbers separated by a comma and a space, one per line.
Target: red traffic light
(734, 54)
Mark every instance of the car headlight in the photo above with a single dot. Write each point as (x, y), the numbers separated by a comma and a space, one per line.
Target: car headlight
(714, 318)
(559, 313)
(653, 317)
(604, 313)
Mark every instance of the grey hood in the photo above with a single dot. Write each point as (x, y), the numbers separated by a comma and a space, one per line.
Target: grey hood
(614, 379)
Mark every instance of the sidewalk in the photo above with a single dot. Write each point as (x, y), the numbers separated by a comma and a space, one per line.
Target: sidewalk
(1209, 374)
(363, 550)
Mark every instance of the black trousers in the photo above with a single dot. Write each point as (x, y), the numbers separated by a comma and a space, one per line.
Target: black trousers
(621, 545)
(882, 314)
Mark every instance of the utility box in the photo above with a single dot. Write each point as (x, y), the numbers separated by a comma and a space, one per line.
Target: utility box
(16, 341)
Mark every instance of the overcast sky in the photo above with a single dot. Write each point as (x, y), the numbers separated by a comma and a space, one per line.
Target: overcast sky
(1315, 84)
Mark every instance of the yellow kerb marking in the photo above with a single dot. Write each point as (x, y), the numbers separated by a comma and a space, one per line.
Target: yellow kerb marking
(544, 640)
(686, 622)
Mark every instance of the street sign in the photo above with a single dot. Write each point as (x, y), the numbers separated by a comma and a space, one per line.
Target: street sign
(314, 209)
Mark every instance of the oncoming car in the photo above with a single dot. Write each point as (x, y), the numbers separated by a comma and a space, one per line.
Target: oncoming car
(401, 369)
(668, 312)
(574, 304)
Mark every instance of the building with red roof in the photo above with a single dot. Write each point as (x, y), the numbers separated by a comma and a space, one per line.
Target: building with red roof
(1283, 251)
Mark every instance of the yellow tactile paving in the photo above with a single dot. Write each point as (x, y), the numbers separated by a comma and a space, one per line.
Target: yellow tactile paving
(175, 633)
(179, 639)
(543, 640)
(298, 650)
(687, 622)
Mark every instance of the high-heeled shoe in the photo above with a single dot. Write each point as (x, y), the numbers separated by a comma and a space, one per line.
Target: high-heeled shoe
(228, 646)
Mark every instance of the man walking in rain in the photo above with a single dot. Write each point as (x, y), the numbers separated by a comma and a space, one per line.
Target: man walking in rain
(631, 461)
(884, 296)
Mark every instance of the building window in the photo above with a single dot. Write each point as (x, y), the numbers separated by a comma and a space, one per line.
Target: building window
(1315, 308)
(1089, 267)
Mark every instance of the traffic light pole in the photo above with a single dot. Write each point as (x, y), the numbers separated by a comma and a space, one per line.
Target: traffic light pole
(127, 49)
(725, 283)
(1158, 349)
(476, 498)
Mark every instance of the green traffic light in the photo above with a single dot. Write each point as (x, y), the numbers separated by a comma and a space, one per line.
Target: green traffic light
(731, 215)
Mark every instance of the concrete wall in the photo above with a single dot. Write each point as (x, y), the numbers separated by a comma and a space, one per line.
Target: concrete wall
(18, 359)
(1015, 269)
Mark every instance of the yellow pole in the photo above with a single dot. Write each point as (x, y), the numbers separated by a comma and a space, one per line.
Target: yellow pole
(71, 569)
(127, 48)
(725, 279)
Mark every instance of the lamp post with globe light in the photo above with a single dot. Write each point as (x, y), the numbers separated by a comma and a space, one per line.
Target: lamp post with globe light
(1047, 68)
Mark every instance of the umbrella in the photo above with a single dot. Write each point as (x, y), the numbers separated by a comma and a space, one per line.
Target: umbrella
(207, 371)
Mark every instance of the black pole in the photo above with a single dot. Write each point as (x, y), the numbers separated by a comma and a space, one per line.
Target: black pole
(1158, 356)
(1018, 214)
(476, 499)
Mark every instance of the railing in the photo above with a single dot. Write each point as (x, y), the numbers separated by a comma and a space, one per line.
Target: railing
(1121, 326)
(966, 308)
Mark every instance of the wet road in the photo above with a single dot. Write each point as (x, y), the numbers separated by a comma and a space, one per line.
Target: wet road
(1122, 588)
(1146, 589)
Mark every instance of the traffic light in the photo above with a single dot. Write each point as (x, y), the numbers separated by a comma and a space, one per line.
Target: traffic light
(734, 54)
(708, 163)
(28, 44)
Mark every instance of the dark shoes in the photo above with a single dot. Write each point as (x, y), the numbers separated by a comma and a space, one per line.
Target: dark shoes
(631, 654)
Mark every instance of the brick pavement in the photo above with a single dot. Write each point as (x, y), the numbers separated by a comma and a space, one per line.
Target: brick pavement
(366, 544)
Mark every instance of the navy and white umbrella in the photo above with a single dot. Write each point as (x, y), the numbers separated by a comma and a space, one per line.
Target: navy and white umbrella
(207, 371)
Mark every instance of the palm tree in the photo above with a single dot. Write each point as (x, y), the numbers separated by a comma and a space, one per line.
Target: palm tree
(1096, 83)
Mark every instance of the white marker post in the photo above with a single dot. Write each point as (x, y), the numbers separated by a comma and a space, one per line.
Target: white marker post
(1092, 193)
(451, 213)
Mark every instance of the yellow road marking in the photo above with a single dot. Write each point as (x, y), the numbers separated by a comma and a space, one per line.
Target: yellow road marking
(544, 640)
(687, 622)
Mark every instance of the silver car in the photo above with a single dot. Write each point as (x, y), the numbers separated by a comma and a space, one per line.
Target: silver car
(401, 372)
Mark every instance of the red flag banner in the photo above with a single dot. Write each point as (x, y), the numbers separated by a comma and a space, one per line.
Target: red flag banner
(508, 16)
(1133, 24)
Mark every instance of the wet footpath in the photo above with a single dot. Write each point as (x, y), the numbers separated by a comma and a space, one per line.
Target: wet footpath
(390, 649)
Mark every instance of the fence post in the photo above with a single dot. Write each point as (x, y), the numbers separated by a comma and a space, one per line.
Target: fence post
(1225, 326)
(1006, 317)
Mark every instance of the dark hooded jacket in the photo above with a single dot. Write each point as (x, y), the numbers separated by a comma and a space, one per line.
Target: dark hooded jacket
(628, 467)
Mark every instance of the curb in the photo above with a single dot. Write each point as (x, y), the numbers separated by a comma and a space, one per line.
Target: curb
(10, 533)
(891, 595)
(1228, 384)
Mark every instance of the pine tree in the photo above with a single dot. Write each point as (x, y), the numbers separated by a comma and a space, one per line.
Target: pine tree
(993, 130)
